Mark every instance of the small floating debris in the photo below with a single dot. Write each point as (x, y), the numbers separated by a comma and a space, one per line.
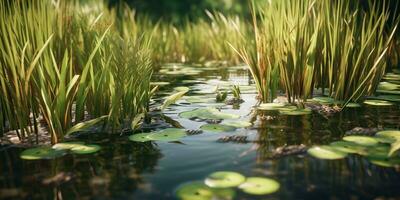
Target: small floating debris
(234, 139)
(289, 150)
(194, 132)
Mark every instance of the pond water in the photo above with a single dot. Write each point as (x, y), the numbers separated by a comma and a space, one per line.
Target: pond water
(154, 170)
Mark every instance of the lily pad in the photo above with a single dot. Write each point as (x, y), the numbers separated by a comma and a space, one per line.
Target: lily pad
(67, 145)
(197, 190)
(362, 140)
(374, 102)
(259, 186)
(169, 134)
(349, 147)
(86, 149)
(271, 106)
(394, 134)
(217, 128)
(326, 152)
(39, 153)
(141, 137)
(378, 152)
(181, 89)
(238, 124)
(304, 111)
(199, 99)
(224, 179)
(388, 86)
(353, 105)
(207, 113)
(324, 100)
(394, 98)
(387, 162)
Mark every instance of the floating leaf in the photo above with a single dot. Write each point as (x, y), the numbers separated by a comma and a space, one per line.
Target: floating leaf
(86, 149)
(181, 89)
(271, 106)
(388, 86)
(199, 99)
(349, 147)
(324, 100)
(217, 128)
(395, 98)
(387, 162)
(378, 152)
(39, 153)
(224, 179)
(172, 99)
(207, 113)
(395, 134)
(374, 102)
(394, 147)
(141, 137)
(353, 105)
(326, 152)
(299, 111)
(259, 186)
(67, 145)
(362, 140)
(197, 190)
(238, 124)
(169, 134)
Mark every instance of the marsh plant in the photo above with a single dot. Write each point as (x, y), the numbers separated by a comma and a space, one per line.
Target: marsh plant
(302, 45)
(68, 70)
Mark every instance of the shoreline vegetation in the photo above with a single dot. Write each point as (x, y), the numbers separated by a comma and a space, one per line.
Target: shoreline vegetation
(71, 66)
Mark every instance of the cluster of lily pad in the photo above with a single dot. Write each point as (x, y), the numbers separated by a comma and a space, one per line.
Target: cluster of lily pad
(58, 150)
(380, 149)
(222, 184)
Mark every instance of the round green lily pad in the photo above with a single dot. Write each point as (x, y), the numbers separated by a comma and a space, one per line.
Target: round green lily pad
(141, 137)
(169, 134)
(388, 86)
(395, 98)
(238, 124)
(348, 147)
(324, 100)
(393, 134)
(197, 190)
(199, 99)
(387, 162)
(86, 149)
(39, 153)
(271, 106)
(353, 105)
(67, 145)
(326, 152)
(224, 179)
(181, 89)
(374, 102)
(217, 128)
(259, 186)
(207, 113)
(378, 152)
(362, 140)
(304, 111)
